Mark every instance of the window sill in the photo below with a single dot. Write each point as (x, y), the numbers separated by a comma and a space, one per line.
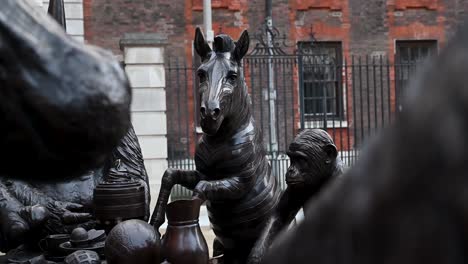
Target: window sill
(320, 124)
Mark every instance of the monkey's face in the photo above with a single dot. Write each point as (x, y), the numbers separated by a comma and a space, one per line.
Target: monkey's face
(295, 177)
(305, 171)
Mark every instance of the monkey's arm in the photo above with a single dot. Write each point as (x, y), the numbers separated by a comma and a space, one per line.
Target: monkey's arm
(26, 194)
(60, 213)
(171, 177)
(9, 209)
(16, 219)
(283, 215)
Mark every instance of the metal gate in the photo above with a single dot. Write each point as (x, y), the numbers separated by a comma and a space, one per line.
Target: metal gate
(314, 86)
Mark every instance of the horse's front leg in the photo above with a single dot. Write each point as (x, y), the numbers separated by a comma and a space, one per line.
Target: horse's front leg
(227, 189)
(171, 177)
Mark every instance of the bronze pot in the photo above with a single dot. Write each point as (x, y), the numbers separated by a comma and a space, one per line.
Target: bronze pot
(183, 242)
(115, 202)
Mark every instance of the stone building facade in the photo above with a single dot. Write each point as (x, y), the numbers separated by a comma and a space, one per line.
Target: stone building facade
(357, 27)
(362, 26)
(164, 29)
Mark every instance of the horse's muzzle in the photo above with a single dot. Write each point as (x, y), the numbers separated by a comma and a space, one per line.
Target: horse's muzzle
(210, 125)
(211, 113)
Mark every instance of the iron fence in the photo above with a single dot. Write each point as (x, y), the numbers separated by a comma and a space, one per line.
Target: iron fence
(351, 99)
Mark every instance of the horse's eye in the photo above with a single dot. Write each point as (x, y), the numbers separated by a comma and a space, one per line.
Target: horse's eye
(202, 76)
(232, 78)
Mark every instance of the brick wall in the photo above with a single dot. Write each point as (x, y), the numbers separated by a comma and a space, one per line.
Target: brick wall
(364, 28)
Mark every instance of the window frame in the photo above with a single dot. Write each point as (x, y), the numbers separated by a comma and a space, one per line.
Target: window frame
(339, 109)
(404, 68)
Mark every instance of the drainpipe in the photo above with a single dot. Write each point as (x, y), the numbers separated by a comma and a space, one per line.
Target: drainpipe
(271, 97)
(268, 13)
(207, 26)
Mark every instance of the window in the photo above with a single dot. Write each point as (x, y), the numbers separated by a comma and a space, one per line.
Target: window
(410, 54)
(414, 50)
(321, 70)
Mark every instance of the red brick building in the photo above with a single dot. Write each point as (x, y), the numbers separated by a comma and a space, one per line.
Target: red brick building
(395, 30)
(361, 26)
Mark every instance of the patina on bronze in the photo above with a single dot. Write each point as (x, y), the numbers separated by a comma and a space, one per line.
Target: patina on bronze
(314, 163)
(405, 201)
(64, 109)
(232, 172)
(119, 201)
(29, 210)
(65, 106)
(123, 193)
(133, 241)
(81, 239)
(33, 210)
(83, 257)
(182, 217)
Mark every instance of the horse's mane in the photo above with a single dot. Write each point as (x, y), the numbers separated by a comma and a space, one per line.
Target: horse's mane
(223, 43)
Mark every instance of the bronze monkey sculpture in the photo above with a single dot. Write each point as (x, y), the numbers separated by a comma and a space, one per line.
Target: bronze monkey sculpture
(314, 163)
(405, 201)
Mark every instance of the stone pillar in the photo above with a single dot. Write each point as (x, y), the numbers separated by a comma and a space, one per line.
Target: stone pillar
(144, 64)
(74, 16)
(36, 2)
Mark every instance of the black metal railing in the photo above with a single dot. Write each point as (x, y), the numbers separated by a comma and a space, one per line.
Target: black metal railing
(351, 99)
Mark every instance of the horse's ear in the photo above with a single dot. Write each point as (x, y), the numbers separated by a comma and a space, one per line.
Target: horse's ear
(201, 47)
(242, 46)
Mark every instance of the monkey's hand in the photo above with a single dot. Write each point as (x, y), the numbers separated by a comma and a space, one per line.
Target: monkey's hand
(66, 216)
(72, 213)
(16, 225)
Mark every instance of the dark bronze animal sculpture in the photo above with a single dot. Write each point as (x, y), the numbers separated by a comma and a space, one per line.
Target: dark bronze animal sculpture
(233, 173)
(406, 200)
(314, 163)
(30, 209)
(64, 106)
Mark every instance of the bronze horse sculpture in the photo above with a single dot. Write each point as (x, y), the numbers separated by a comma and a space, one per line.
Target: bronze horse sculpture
(232, 171)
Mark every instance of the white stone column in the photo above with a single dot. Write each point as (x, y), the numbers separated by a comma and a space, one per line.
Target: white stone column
(144, 64)
(74, 16)
(36, 2)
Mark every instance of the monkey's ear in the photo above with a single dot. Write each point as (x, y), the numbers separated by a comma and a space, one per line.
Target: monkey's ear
(331, 151)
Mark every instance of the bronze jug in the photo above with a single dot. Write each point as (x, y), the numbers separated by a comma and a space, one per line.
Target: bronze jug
(183, 242)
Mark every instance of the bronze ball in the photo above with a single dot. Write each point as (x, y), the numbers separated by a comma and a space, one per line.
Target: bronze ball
(132, 241)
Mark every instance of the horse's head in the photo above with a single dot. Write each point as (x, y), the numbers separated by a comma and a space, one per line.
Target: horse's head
(221, 79)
